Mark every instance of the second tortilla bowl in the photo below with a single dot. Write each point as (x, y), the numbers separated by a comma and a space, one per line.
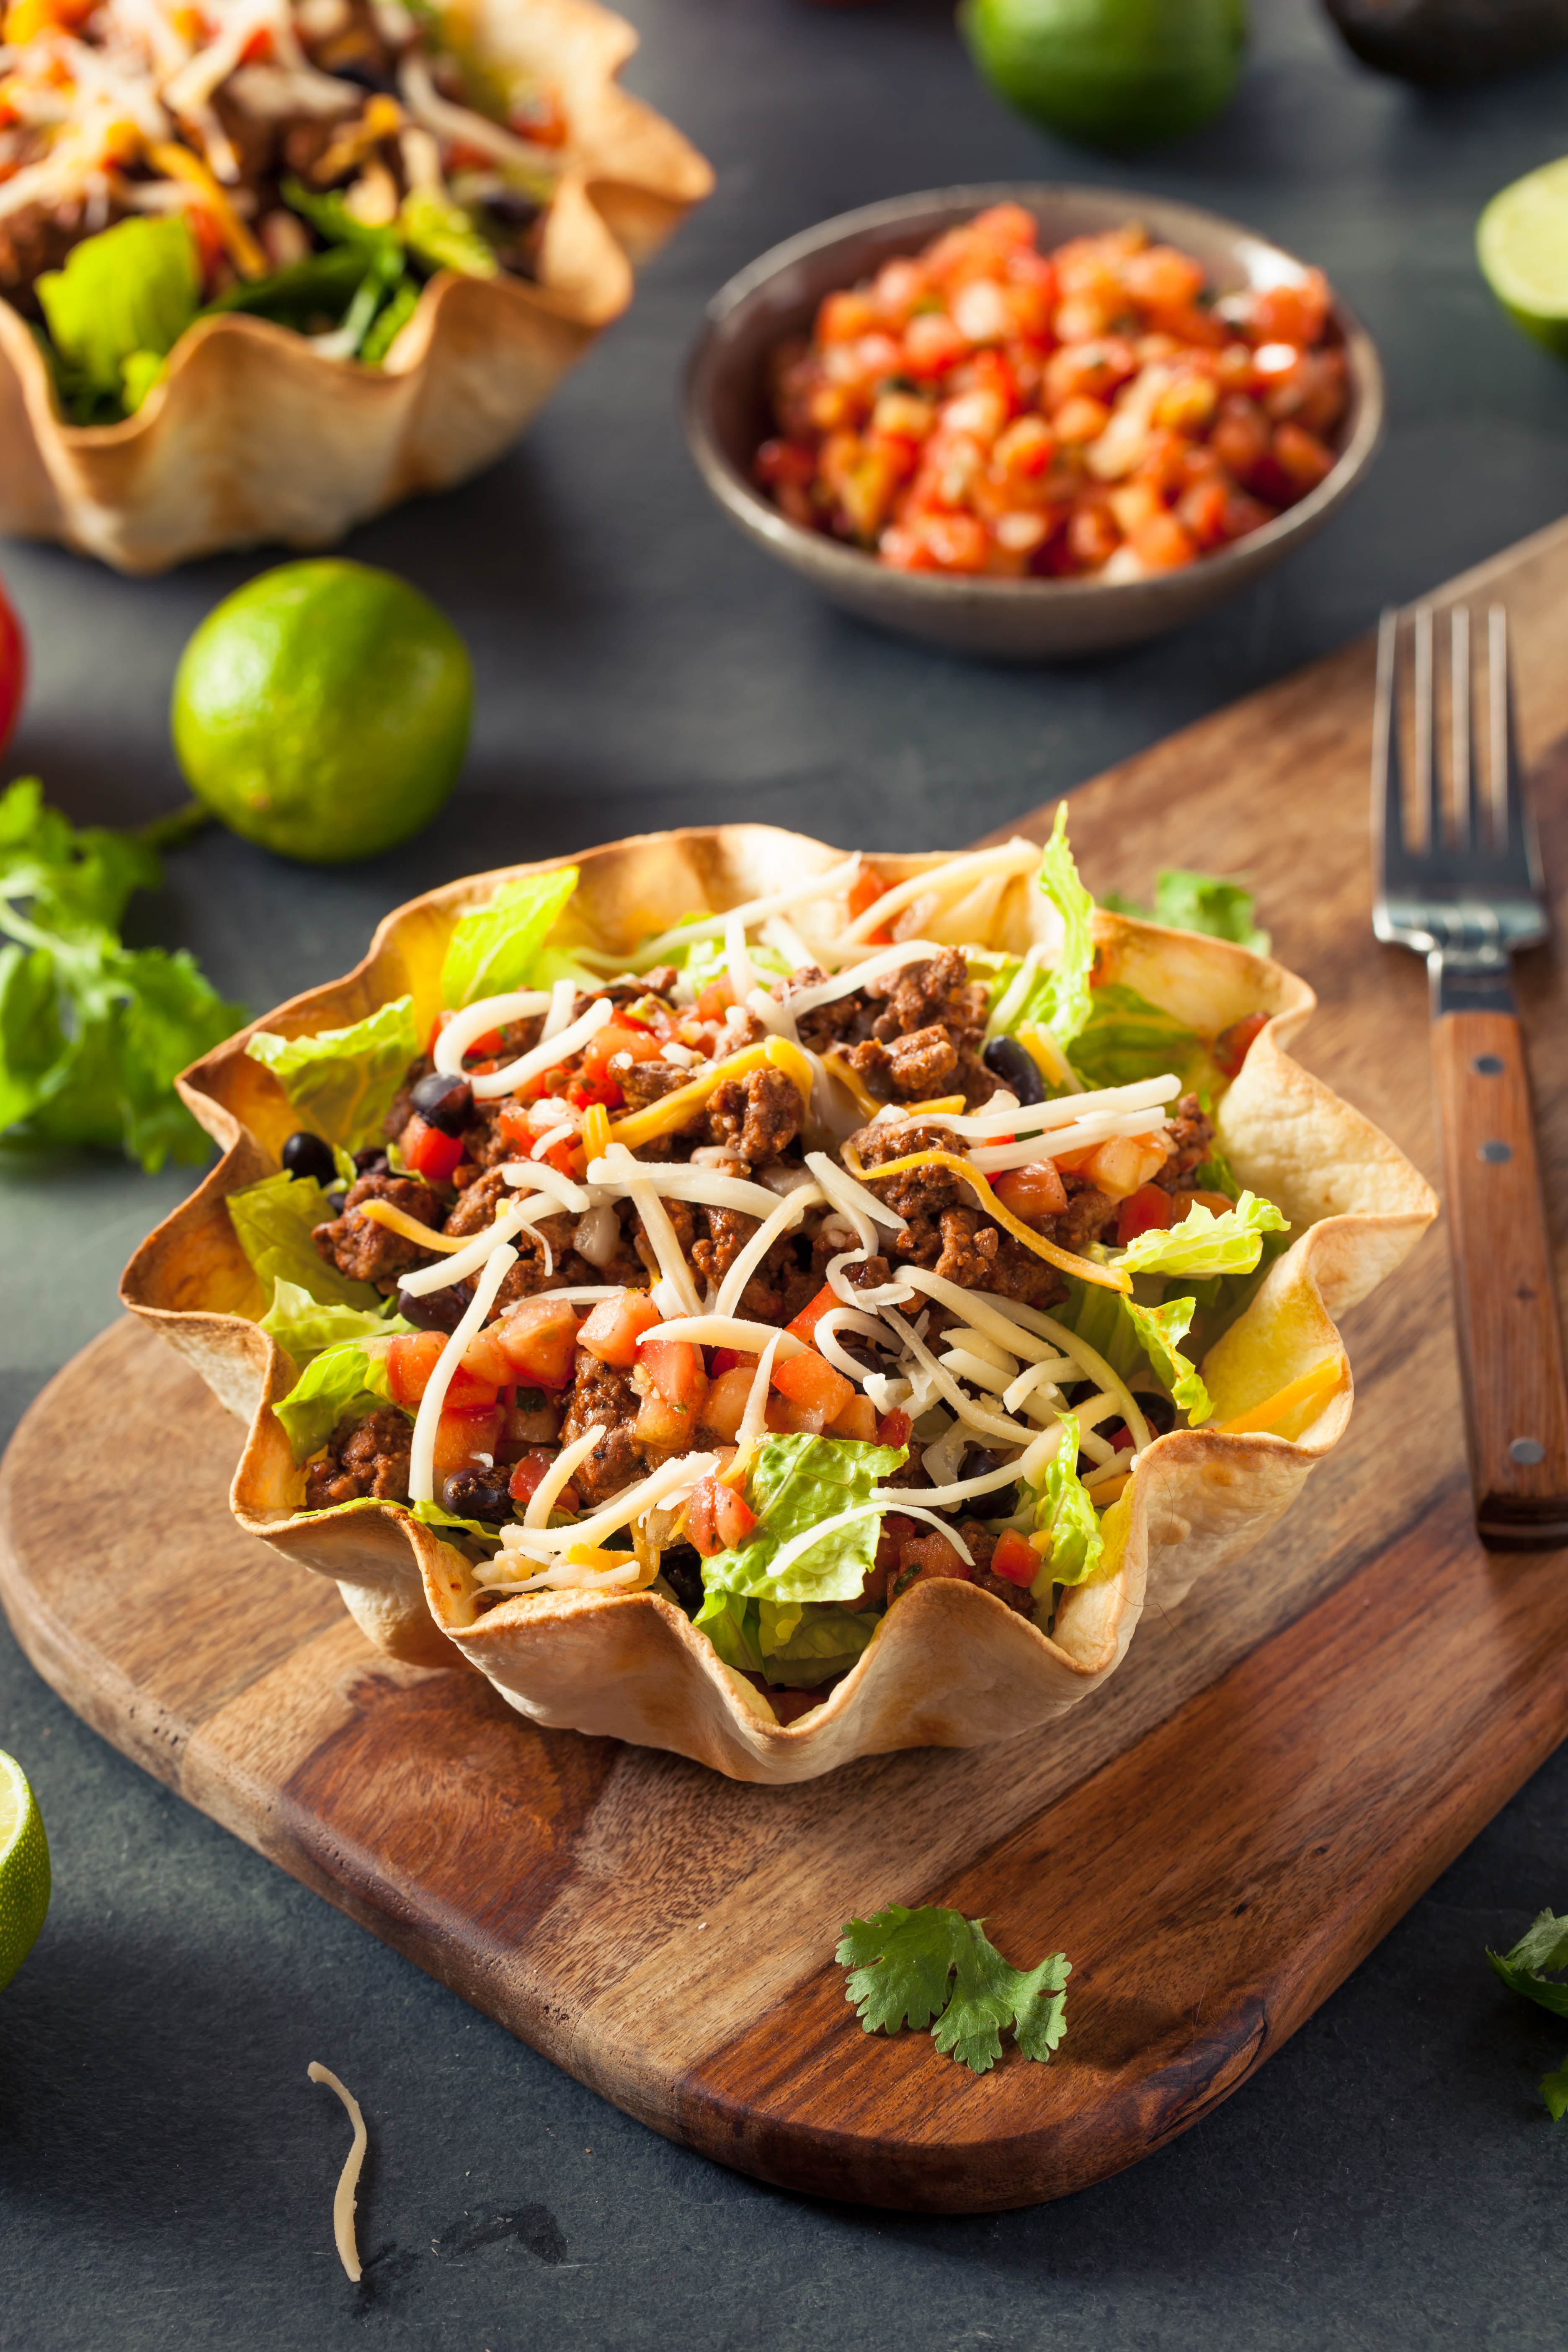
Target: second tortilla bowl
(949, 1664)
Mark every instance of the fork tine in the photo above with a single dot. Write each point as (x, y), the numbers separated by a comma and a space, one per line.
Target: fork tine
(1429, 790)
(1513, 825)
(1387, 798)
(1467, 834)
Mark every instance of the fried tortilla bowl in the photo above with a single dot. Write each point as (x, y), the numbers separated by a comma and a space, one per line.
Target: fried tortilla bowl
(950, 1666)
(255, 436)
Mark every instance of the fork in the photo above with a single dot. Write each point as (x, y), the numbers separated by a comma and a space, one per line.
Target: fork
(1465, 892)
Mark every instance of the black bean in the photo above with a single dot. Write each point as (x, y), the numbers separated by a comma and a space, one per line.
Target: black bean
(516, 210)
(444, 1102)
(366, 77)
(978, 1462)
(436, 1310)
(372, 1162)
(478, 1494)
(310, 1155)
(1157, 1410)
(1019, 1070)
(681, 1568)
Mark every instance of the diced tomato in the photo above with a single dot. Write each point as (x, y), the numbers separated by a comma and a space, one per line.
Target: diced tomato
(663, 1427)
(894, 1428)
(527, 1475)
(811, 1382)
(867, 886)
(1123, 1162)
(538, 1339)
(858, 1420)
(1014, 1558)
(788, 1419)
(531, 1420)
(484, 1359)
(584, 1091)
(803, 1328)
(1218, 1205)
(896, 1531)
(726, 1402)
(717, 1519)
(675, 1368)
(729, 1359)
(463, 1437)
(410, 1361)
(617, 1038)
(468, 1392)
(1033, 1194)
(925, 1557)
(715, 1001)
(616, 1325)
(1146, 1211)
(428, 1151)
(1232, 1046)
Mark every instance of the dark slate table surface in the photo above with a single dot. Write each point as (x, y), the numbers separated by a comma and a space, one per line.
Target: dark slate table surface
(1390, 2179)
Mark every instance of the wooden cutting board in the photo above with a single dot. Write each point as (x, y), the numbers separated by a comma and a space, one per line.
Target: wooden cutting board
(1215, 1840)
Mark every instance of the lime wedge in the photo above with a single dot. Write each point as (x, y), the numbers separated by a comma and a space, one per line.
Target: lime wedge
(24, 1869)
(1521, 243)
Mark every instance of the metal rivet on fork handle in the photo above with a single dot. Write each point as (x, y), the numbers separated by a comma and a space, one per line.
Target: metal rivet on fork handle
(1488, 1065)
(1495, 1153)
(1527, 1451)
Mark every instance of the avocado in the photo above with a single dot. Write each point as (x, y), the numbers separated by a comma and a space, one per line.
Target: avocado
(1436, 42)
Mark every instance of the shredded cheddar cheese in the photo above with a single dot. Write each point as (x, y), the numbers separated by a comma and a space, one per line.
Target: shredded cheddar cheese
(838, 1066)
(595, 1131)
(667, 1117)
(1108, 1277)
(243, 250)
(1317, 1383)
(944, 1105)
(398, 1221)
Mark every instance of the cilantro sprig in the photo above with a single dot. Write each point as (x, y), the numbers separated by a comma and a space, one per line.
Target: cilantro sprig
(1543, 1944)
(915, 1967)
(92, 1033)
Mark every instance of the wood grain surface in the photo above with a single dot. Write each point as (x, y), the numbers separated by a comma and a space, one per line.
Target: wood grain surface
(1505, 1303)
(1215, 1840)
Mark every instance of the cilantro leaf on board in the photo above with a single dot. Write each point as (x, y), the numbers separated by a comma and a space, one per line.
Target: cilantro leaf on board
(1543, 1944)
(935, 1968)
(92, 1033)
(1185, 901)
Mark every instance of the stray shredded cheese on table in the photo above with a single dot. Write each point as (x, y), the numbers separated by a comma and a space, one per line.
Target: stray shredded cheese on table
(344, 2202)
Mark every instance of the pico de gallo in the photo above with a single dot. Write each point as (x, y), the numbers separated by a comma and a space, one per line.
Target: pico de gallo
(1090, 413)
(311, 162)
(797, 1259)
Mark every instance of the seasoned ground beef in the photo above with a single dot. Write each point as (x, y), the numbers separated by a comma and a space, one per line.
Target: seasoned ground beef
(915, 1034)
(1086, 1217)
(35, 238)
(366, 1252)
(599, 1393)
(728, 1230)
(911, 1069)
(1190, 1134)
(647, 1083)
(475, 1205)
(982, 1544)
(757, 1116)
(364, 1457)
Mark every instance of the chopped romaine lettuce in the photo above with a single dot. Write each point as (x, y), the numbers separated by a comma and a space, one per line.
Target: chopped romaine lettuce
(345, 1383)
(305, 1327)
(1060, 1000)
(1066, 1511)
(341, 1082)
(1158, 1329)
(797, 1644)
(494, 948)
(796, 1484)
(706, 961)
(434, 1516)
(1203, 1244)
(1198, 902)
(1126, 1038)
(443, 234)
(124, 298)
(273, 1221)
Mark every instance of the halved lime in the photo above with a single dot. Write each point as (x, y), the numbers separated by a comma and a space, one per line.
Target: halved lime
(1521, 243)
(24, 1869)
(1117, 73)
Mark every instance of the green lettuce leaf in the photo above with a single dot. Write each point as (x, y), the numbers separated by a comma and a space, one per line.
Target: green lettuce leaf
(273, 1221)
(1185, 901)
(345, 1383)
(1158, 1329)
(92, 1033)
(434, 1516)
(1067, 1000)
(442, 234)
(130, 290)
(342, 1083)
(917, 1967)
(1065, 1509)
(794, 1483)
(305, 1327)
(731, 1621)
(493, 948)
(1203, 1244)
(1126, 1038)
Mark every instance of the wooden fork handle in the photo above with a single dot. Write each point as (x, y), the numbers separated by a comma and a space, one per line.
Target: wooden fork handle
(1505, 1296)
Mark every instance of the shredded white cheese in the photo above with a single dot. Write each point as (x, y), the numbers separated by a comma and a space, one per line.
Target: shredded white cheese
(422, 1450)
(345, 2201)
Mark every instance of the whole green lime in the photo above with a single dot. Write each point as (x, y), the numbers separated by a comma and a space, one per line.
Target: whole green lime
(1114, 73)
(1521, 242)
(24, 1869)
(323, 710)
